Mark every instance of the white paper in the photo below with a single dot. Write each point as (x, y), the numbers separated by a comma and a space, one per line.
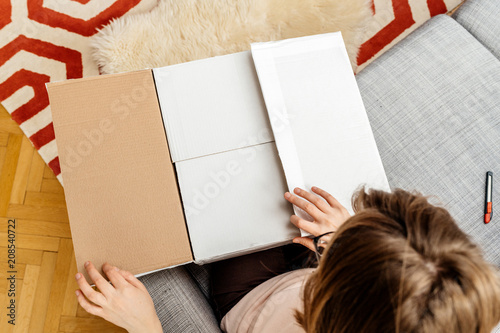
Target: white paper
(212, 105)
(327, 141)
(234, 202)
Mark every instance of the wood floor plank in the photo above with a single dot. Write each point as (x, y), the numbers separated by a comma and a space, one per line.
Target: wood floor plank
(29, 256)
(41, 228)
(95, 324)
(41, 302)
(48, 173)
(10, 126)
(26, 256)
(36, 173)
(19, 294)
(4, 113)
(55, 214)
(44, 199)
(5, 326)
(35, 242)
(59, 283)
(5, 268)
(27, 299)
(70, 301)
(51, 186)
(4, 299)
(3, 151)
(22, 171)
(9, 171)
(4, 138)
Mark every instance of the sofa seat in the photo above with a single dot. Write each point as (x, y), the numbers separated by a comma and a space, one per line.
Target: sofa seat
(433, 102)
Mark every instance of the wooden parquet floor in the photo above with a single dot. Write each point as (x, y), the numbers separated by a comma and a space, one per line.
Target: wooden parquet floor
(45, 263)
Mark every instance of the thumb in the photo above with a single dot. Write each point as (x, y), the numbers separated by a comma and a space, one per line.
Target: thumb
(307, 242)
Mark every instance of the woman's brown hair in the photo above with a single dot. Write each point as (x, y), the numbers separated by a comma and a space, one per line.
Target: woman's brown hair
(400, 264)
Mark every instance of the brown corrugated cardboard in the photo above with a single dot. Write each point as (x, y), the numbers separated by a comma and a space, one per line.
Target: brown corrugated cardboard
(121, 191)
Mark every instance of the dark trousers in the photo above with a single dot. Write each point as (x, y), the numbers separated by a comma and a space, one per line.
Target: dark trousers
(233, 278)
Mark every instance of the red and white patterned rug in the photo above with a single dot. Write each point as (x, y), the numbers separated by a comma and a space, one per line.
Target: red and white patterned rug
(47, 40)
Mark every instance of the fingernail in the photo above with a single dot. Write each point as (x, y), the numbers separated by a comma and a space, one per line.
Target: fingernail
(296, 190)
(78, 275)
(116, 268)
(314, 188)
(86, 264)
(77, 293)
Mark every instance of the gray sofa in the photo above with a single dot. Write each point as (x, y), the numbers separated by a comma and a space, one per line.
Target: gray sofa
(433, 101)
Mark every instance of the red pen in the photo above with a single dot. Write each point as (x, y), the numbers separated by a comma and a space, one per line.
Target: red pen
(488, 203)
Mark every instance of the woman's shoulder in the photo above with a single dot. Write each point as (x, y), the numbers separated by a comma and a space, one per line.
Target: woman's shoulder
(274, 299)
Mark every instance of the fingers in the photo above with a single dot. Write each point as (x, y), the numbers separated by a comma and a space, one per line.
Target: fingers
(307, 226)
(327, 196)
(114, 275)
(317, 201)
(99, 281)
(308, 207)
(87, 306)
(132, 280)
(88, 291)
(307, 242)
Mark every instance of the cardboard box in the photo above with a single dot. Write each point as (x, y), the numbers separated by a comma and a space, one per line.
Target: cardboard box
(190, 162)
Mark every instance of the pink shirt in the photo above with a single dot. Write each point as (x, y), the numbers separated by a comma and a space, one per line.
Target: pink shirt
(270, 307)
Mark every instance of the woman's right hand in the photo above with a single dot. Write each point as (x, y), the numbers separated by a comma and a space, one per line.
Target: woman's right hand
(125, 302)
(328, 214)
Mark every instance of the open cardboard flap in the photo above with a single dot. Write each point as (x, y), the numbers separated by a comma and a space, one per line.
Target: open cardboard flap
(119, 182)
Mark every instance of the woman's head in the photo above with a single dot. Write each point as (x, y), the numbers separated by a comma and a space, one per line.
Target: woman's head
(401, 264)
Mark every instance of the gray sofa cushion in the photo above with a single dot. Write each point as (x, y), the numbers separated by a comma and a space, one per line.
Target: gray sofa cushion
(482, 19)
(201, 275)
(433, 101)
(179, 302)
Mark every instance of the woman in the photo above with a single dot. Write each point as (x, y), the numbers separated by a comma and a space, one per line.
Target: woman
(399, 264)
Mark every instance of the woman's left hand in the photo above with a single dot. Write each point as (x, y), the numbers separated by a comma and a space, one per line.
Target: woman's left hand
(327, 212)
(126, 303)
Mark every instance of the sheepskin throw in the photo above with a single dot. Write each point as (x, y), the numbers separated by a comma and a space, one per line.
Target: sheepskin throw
(180, 31)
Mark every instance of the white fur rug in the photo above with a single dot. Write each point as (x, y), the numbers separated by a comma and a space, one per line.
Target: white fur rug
(178, 31)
